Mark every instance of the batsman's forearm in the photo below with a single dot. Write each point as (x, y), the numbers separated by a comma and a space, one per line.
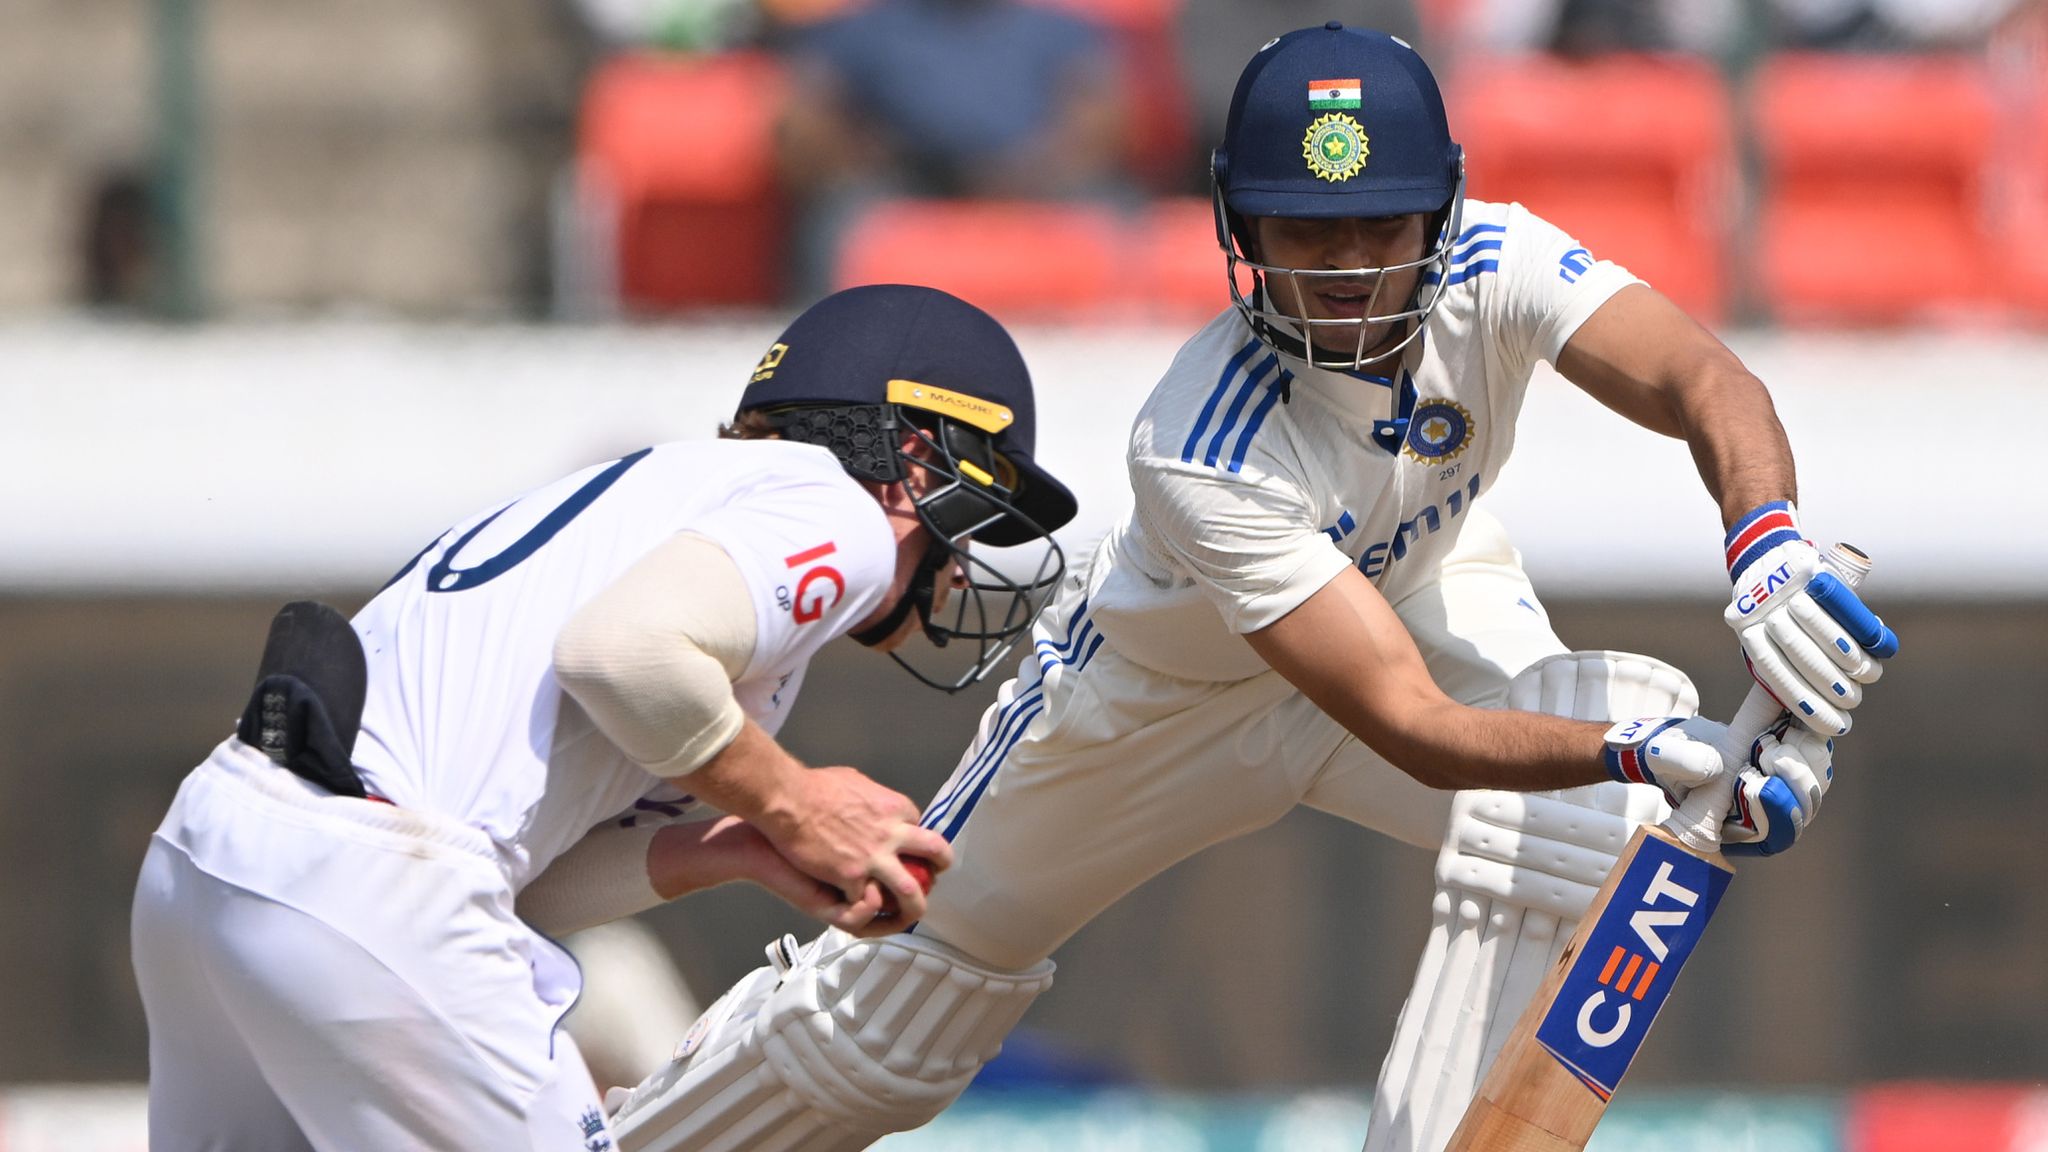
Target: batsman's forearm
(1454, 746)
(1736, 440)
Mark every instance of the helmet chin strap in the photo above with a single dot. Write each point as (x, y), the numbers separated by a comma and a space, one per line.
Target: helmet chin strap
(918, 595)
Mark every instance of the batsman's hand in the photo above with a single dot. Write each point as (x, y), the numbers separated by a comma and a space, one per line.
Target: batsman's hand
(1775, 804)
(1678, 754)
(850, 835)
(1808, 638)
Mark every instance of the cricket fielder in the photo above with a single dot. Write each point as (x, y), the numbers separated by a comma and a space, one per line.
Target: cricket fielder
(1308, 605)
(325, 931)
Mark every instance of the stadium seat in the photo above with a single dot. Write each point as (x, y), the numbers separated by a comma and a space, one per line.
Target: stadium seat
(2023, 228)
(1182, 264)
(1916, 1117)
(1017, 259)
(1632, 155)
(1155, 93)
(681, 147)
(1873, 186)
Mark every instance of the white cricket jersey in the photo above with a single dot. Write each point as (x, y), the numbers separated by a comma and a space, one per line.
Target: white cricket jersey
(463, 707)
(1258, 477)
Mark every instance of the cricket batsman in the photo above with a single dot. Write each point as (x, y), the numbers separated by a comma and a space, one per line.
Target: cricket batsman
(1310, 605)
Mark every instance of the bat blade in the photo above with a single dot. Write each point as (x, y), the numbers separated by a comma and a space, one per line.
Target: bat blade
(1551, 1083)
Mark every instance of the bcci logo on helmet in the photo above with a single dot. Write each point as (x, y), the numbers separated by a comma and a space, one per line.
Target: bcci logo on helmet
(1335, 147)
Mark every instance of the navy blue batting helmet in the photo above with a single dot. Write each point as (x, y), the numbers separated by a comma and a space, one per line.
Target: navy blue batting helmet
(899, 380)
(1336, 122)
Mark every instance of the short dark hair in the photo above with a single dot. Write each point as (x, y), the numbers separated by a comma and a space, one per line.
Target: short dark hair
(748, 424)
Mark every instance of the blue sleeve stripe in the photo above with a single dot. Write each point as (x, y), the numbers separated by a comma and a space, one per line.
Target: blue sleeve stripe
(1236, 409)
(1464, 254)
(1187, 452)
(1471, 270)
(1475, 229)
(1050, 653)
(1274, 391)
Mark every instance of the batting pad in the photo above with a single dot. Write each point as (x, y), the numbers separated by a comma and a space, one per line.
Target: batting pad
(1516, 872)
(829, 1048)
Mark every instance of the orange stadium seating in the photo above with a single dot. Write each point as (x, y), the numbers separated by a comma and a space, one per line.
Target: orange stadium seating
(683, 147)
(1632, 155)
(1180, 265)
(1873, 187)
(1019, 260)
(2024, 224)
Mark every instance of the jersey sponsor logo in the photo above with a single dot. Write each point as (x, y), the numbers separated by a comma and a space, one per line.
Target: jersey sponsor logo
(1428, 522)
(770, 361)
(818, 589)
(1438, 431)
(1618, 982)
(1573, 265)
(1335, 147)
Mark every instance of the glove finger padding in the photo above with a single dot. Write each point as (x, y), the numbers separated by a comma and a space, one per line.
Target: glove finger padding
(1833, 640)
(1807, 659)
(1770, 668)
(1840, 601)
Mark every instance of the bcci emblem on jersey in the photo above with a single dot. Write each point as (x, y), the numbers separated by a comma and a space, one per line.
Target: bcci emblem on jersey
(1335, 147)
(1438, 430)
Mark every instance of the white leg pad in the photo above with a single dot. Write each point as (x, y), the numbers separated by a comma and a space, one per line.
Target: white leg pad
(1516, 872)
(829, 1048)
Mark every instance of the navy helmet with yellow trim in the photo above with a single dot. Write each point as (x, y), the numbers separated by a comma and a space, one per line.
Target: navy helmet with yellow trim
(896, 379)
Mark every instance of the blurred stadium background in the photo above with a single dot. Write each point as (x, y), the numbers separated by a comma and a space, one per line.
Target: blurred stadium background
(286, 287)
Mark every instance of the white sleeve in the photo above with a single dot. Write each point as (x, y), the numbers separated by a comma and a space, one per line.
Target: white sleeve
(1249, 539)
(817, 554)
(1548, 286)
(601, 878)
(652, 658)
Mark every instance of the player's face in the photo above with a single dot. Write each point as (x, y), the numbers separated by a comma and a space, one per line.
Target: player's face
(909, 551)
(1326, 246)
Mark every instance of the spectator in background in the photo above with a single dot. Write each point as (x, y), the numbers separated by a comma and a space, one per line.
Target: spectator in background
(1217, 36)
(1886, 25)
(1593, 27)
(981, 98)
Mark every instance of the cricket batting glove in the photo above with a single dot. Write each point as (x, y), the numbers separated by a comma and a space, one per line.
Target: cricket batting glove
(1807, 636)
(1676, 753)
(1772, 807)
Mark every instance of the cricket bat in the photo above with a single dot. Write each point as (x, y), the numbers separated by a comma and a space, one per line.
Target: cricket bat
(1552, 1081)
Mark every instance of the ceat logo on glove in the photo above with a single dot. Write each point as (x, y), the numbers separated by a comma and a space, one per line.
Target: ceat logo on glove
(819, 588)
(1754, 599)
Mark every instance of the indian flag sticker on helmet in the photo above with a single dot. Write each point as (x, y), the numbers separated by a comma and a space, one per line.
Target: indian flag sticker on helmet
(1335, 147)
(1328, 95)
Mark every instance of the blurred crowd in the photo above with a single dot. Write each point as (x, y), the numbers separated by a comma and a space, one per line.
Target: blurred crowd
(875, 115)
(755, 154)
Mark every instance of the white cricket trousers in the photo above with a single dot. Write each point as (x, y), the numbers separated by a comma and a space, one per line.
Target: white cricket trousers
(1091, 774)
(321, 972)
